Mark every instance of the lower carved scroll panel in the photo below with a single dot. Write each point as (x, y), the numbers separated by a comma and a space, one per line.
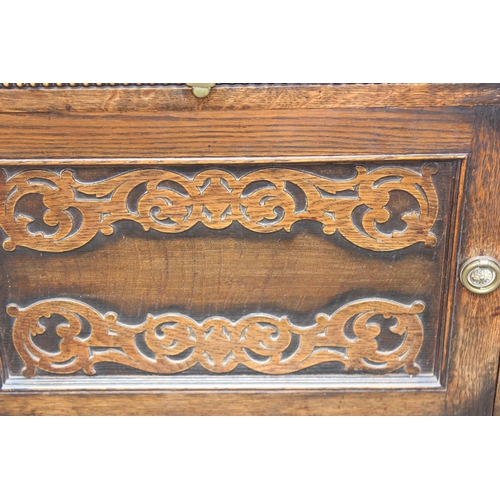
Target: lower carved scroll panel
(261, 342)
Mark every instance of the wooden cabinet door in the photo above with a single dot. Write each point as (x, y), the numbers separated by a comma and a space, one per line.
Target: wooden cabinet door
(268, 249)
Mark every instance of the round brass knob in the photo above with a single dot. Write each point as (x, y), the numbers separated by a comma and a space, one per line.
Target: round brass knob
(481, 274)
(201, 90)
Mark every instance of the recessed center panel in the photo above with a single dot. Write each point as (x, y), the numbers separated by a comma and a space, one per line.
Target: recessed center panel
(318, 270)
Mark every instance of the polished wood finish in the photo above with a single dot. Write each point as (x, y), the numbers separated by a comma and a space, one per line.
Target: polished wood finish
(300, 274)
(174, 203)
(133, 98)
(296, 268)
(497, 398)
(476, 319)
(225, 403)
(258, 341)
(235, 133)
(224, 274)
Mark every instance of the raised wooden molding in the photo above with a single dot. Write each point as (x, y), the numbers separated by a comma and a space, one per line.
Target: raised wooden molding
(219, 160)
(122, 97)
(258, 341)
(80, 85)
(264, 201)
(133, 85)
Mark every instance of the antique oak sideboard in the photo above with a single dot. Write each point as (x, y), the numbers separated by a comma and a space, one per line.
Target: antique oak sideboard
(249, 249)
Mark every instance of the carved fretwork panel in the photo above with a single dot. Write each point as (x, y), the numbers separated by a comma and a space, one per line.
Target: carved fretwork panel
(264, 201)
(257, 341)
(315, 274)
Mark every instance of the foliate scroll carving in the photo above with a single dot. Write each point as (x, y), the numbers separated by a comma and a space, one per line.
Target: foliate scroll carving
(259, 341)
(264, 201)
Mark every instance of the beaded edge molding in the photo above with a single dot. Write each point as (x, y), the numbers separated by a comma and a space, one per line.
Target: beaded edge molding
(83, 85)
(182, 85)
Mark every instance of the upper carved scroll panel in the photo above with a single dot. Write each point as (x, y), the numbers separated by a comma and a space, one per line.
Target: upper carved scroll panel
(264, 201)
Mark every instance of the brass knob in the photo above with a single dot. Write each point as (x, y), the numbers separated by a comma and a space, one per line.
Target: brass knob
(481, 274)
(201, 90)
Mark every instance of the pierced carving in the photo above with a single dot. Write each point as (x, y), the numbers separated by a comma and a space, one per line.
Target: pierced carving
(264, 201)
(259, 341)
(261, 201)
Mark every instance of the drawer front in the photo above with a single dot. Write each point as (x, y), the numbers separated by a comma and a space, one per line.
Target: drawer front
(319, 274)
(295, 253)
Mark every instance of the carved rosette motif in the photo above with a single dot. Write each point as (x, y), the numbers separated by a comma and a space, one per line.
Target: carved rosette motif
(259, 341)
(261, 201)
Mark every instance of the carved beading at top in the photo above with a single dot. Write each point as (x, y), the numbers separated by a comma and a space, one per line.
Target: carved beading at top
(81, 85)
(85, 85)
(264, 201)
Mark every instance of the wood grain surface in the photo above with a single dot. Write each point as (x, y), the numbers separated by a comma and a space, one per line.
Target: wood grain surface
(476, 319)
(174, 342)
(233, 97)
(288, 132)
(299, 274)
(209, 275)
(226, 403)
(263, 201)
(497, 397)
(219, 273)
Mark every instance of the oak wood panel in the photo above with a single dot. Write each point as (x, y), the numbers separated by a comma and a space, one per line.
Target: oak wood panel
(173, 203)
(224, 403)
(497, 399)
(476, 326)
(300, 274)
(216, 273)
(218, 344)
(70, 132)
(277, 96)
(236, 133)
(205, 277)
